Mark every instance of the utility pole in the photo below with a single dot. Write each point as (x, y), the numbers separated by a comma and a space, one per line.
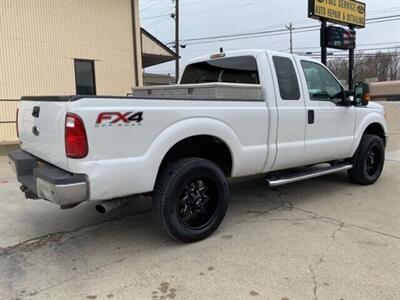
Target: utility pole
(177, 40)
(290, 28)
(323, 43)
(351, 66)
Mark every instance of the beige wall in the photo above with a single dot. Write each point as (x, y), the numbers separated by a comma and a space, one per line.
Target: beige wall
(40, 38)
(8, 133)
(384, 88)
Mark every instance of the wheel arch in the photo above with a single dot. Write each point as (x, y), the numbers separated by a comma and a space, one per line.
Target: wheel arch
(376, 129)
(374, 123)
(209, 147)
(177, 136)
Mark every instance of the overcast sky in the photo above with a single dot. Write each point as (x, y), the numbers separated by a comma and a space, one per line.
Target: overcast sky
(202, 18)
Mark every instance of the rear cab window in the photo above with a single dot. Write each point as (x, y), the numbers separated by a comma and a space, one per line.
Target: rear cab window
(238, 69)
(287, 78)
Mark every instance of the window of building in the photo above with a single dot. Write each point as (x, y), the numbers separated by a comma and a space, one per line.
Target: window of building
(241, 69)
(287, 79)
(322, 86)
(85, 77)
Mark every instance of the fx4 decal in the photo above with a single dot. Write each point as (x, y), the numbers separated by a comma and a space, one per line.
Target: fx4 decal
(119, 119)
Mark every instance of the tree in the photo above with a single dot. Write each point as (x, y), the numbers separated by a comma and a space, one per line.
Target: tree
(381, 65)
(339, 67)
(394, 68)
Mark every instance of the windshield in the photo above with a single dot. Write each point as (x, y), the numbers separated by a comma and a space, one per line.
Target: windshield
(242, 69)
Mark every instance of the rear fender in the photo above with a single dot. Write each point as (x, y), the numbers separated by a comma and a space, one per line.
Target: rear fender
(188, 128)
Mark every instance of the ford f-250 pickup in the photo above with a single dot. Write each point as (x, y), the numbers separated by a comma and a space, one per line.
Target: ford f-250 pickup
(232, 114)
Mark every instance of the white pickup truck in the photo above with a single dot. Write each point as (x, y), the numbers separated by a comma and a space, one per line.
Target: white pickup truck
(232, 114)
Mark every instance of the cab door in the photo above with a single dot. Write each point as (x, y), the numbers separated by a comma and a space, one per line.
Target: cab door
(291, 112)
(330, 125)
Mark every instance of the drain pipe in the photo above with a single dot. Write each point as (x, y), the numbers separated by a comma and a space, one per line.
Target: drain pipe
(107, 206)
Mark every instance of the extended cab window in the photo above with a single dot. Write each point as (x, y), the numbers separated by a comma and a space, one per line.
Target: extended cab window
(241, 69)
(287, 79)
(322, 86)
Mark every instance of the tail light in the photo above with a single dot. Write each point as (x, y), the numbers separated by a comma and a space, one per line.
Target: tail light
(76, 145)
(16, 122)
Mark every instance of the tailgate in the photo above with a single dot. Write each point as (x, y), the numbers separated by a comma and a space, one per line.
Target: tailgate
(41, 124)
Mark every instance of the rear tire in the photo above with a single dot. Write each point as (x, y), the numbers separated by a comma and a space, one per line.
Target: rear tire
(368, 161)
(190, 199)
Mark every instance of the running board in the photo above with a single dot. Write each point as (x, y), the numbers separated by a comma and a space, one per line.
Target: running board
(303, 175)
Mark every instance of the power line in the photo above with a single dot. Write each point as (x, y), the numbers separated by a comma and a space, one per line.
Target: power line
(383, 21)
(152, 4)
(270, 32)
(166, 12)
(360, 45)
(345, 57)
(361, 50)
(201, 11)
(156, 17)
(228, 37)
(157, 22)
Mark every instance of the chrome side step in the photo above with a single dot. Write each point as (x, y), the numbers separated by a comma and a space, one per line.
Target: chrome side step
(303, 175)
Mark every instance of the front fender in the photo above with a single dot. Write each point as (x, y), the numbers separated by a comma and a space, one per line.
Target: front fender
(373, 117)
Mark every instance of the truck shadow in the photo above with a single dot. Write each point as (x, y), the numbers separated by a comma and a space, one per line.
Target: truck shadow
(247, 195)
(131, 235)
(132, 224)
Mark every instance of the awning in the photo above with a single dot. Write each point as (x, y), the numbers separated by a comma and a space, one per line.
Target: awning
(154, 52)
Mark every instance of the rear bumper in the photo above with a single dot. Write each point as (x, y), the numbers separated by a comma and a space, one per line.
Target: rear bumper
(48, 182)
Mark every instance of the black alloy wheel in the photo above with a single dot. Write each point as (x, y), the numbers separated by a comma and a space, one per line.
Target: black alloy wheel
(373, 160)
(368, 161)
(198, 203)
(190, 199)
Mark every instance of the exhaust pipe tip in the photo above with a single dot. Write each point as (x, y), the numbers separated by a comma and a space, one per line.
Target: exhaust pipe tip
(100, 209)
(107, 206)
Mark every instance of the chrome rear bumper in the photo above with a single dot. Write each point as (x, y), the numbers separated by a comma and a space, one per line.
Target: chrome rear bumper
(48, 182)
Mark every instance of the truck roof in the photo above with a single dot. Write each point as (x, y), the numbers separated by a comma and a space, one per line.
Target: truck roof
(244, 52)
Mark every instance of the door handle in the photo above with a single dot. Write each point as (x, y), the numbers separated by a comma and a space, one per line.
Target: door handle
(36, 111)
(311, 116)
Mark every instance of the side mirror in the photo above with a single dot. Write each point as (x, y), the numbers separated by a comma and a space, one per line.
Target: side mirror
(361, 94)
(348, 98)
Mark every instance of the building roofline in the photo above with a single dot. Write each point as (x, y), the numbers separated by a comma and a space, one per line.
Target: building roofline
(158, 42)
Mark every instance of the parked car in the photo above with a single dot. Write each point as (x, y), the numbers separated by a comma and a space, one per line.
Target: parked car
(233, 114)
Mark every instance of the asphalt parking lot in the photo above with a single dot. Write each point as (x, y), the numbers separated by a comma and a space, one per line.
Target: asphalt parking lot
(323, 238)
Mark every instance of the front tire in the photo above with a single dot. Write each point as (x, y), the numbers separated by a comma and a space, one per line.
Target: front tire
(368, 161)
(190, 199)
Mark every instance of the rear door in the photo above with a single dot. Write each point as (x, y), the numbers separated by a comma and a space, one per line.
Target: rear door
(330, 125)
(41, 128)
(291, 112)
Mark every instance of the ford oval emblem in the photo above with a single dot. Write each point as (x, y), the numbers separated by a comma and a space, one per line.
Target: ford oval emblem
(360, 9)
